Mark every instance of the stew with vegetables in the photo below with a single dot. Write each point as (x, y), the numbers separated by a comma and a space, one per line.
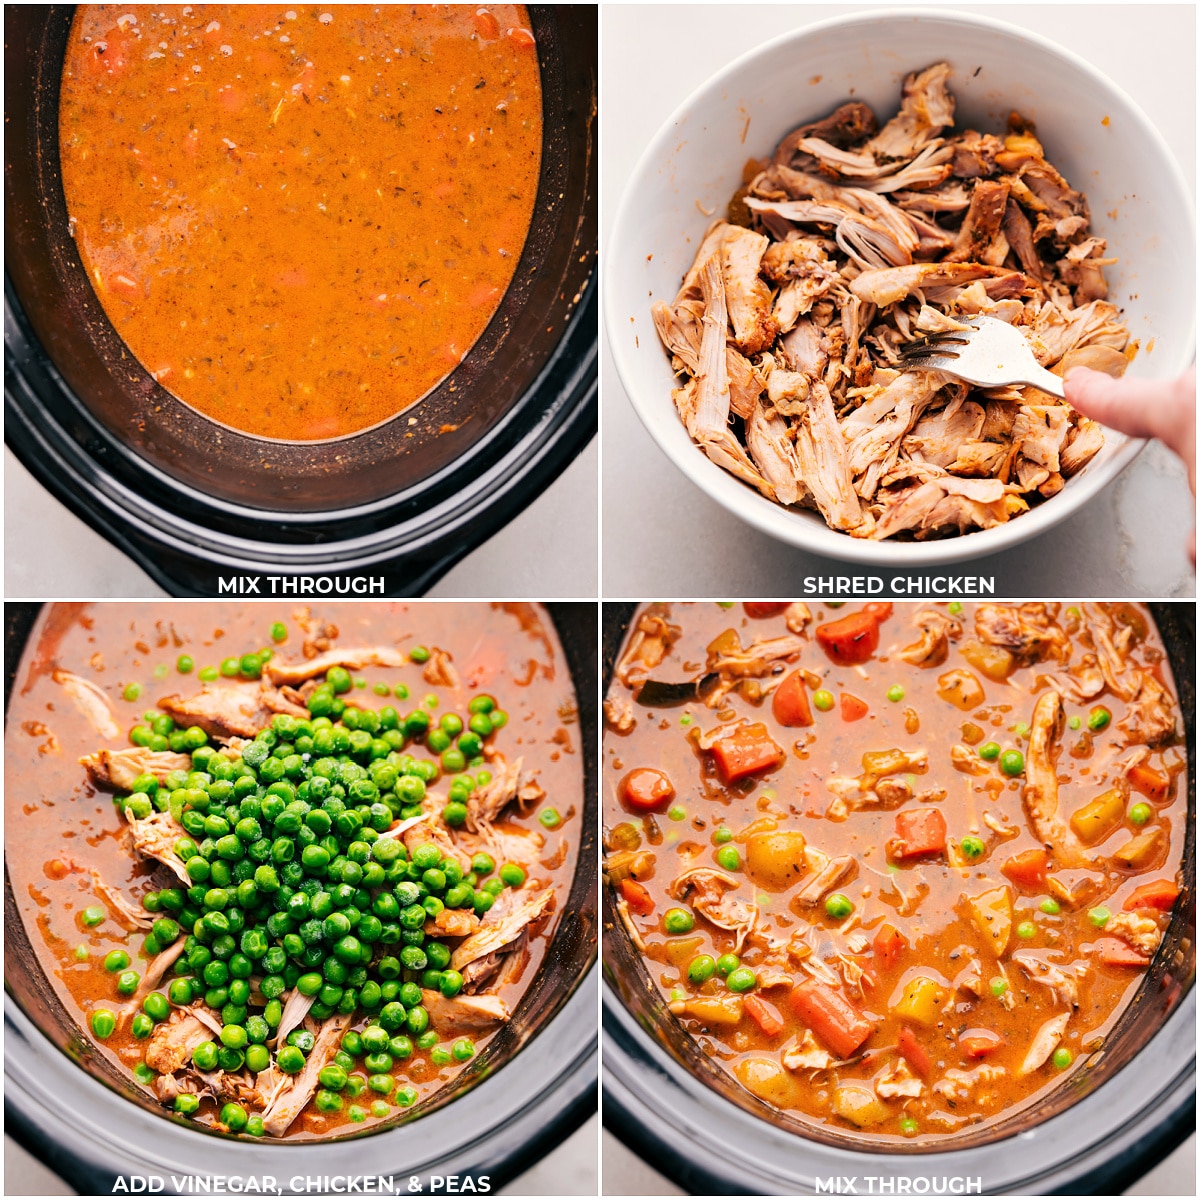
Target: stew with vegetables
(300, 221)
(898, 868)
(291, 875)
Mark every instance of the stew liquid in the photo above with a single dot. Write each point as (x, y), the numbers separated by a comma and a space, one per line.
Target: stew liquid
(300, 220)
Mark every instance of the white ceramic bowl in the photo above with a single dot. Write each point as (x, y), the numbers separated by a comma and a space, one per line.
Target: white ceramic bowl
(1092, 131)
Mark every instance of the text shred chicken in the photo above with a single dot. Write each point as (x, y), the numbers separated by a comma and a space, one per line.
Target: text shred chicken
(293, 877)
(853, 242)
(300, 221)
(899, 868)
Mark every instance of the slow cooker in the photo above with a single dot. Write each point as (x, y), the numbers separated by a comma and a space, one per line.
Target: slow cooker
(535, 1084)
(682, 1113)
(189, 499)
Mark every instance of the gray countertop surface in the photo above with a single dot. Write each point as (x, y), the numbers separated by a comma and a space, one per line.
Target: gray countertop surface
(663, 537)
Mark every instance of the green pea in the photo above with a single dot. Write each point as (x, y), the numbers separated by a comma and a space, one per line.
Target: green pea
(550, 818)
(972, 847)
(955, 607)
(839, 906)
(234, 1117)
(116, 960)
(127, 982)
(895, 693)
(186, 1103)
(208, 674)
(205, 1056)
(93, 915)
(729, 858)
(463, 1049)
(1012, 762)
(701, 969)
(989, 751)
(290, 1060)
(678, 920)
(722, 834)
(418, 654)
(1074, 722)
(677, 812)
(998, 985)
(1098, 718)
(1099, 916)
(1139, 814)
(741, 979)
(141, 1026)
(103, 1023)
(822, 700)
(132, 691)
(258, 1058)
(727, 963)
(1026, 930)
(512, 875)
(1062, 1058)
(406, 1096)
(908, 1126)
(1050, 907)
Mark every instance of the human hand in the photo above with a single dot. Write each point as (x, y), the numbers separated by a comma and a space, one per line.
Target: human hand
(1142, 408)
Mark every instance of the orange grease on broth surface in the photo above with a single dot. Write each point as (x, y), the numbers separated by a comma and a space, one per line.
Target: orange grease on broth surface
(300, 226)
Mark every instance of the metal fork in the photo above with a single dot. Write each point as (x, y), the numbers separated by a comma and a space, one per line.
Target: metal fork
(989, 354)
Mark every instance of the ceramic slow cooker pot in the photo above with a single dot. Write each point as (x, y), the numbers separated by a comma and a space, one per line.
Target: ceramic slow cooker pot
(535, 1083)
(682, 1113)
(189, 499)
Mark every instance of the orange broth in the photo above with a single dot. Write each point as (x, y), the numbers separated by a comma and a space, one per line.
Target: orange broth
(300, 220)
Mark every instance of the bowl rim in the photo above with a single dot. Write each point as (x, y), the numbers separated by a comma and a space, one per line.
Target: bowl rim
(808, 531)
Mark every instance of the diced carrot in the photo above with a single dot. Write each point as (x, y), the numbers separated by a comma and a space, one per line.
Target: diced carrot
(978, 1043)
(486, 24)
(637, 897)
(789, 704)
(853, 639)
(765, 1015)
(889, 946)
(1115, 953)
(646, 790)
(1160, 894)
(913, 1052)
(520, 37)
(831, 1017)
(1148, 782)
(1027, 869)
(763, 609)
(125, 286)
(853, 708)
(919, 831)
(746, 752)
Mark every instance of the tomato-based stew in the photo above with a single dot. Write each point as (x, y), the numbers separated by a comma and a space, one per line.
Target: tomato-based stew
(898, 868)
(300, 221)
(291, 870)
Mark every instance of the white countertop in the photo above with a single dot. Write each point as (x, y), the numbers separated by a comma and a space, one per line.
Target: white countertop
(661, 535)
(548, 551)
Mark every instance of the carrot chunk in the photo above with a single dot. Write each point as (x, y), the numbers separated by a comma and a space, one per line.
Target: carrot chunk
(789, 704)
(853, 709)
(853, 639)
(637, 897)
(1115, 953)
(1027, 869)
(831, 1017)
(1160, 894)
(889, 946)
(919, 831)
(749, 751)
(913, 1052)
(646, 790)
(979, 1043)
(1148, 782)
(764, 1014)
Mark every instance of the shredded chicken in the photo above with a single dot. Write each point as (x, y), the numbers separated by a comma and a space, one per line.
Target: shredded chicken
(714, 900)
(352, 658)
(120, 769)
(854, 241)
(92, 701)
(227, 710)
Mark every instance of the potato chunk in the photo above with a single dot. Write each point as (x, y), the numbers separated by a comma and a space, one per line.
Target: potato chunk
(993, 916)
(776, 860)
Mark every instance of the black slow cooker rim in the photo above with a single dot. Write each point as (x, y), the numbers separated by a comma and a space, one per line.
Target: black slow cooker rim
(470, 504)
